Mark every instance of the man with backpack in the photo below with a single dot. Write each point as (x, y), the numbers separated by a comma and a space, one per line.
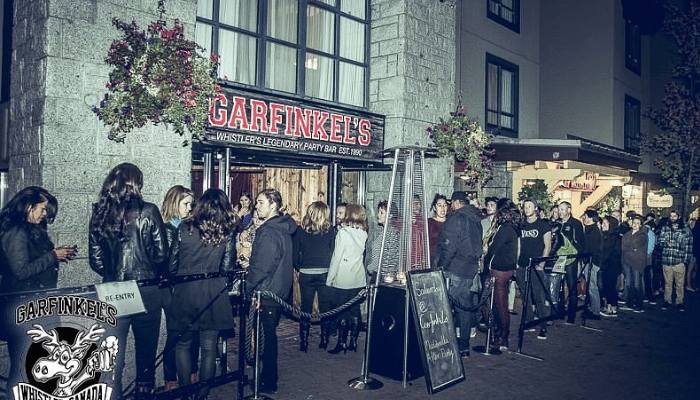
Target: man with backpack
(572, 229)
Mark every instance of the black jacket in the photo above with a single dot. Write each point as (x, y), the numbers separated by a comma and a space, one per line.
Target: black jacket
(593, 243)
(573, 229)
(141, 256)
(27, 260)
(611, 251)
(190, 256)
(459, 243)
(271, 260)
(313, 250)
(503, 250)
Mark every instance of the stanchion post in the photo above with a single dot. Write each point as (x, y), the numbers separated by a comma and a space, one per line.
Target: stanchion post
(487, 350)
(364, 382)
(256, 386)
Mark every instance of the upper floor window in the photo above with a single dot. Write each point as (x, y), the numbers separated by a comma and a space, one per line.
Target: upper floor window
(501, 96)
(633, 47)
(505, 12)
(633, 118)
(308, 48)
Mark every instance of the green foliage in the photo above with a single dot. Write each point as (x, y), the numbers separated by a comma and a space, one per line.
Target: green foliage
(676, 152)
(462, 138)
(158, 76)
(611, 202)
(539, 192)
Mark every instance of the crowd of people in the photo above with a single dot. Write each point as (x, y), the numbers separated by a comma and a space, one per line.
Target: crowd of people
(622, 265)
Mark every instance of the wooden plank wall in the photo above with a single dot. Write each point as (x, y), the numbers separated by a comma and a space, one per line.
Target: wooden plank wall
(298, 187)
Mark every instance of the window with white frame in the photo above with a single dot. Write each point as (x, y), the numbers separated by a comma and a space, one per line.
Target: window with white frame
(308, 48)
(633, 118)
(633, 47)
(505, 12)
(501, 96)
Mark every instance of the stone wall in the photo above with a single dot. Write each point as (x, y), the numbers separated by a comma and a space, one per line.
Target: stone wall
(58, 75)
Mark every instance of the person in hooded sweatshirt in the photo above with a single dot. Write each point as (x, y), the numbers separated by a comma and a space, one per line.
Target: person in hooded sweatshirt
(270, 268)
(347, 274)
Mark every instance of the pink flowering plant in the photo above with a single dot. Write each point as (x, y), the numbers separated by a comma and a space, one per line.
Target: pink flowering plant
(463, 138)
(159, 76)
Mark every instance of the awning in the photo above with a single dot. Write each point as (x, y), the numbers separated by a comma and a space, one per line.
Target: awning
(557, 150)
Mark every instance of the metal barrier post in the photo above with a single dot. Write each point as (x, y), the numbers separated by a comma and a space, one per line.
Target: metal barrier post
(256, 386)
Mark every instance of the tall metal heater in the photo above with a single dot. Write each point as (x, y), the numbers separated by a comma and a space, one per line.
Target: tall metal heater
(404, 248)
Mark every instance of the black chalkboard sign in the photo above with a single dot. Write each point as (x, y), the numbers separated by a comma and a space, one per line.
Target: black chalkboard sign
(437, 340)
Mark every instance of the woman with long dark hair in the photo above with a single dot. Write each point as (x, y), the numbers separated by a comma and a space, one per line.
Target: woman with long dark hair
(127, 242)
(244, 210)
(204, 243)
(501, 259)
(610, 264)
(28, 258)
(314, 241)
(347, 274)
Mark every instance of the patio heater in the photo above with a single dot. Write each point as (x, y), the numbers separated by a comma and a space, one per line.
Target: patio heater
(404, 248)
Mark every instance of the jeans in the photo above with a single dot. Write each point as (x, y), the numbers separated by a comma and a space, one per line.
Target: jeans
(183, 358)
(571, 279)
(500, 305)
(674, 273)
(609, 277)
(309, 285)
(634, 287)
(537, 290)
(269, 319)
(592, 274)
(463, 301)
(553, 282)
(145, 328)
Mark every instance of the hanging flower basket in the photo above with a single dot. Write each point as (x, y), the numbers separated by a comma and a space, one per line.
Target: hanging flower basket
(157, 76)
(463, 138)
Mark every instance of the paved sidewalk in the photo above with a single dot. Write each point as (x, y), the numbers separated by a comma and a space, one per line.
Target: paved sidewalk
(653, 355)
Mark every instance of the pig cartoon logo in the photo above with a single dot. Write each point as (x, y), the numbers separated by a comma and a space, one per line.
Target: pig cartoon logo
(68, 359)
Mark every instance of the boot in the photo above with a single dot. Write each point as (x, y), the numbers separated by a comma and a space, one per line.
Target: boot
(303, 336)
(342, 338)
(354, 333)
(325, 334)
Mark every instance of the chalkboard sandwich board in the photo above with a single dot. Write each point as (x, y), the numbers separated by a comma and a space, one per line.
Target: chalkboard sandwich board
(437, 340)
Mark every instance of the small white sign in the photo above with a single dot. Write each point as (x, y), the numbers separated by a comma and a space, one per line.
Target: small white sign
(560, 265)
(656, 201)
(125, 296)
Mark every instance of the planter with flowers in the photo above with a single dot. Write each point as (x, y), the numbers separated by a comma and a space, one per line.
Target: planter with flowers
(157, 76)
(463, 138)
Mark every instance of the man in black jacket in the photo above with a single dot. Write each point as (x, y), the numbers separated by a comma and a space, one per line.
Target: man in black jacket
(270, 269)
(573, 230)
(593, 245)
(457, 254)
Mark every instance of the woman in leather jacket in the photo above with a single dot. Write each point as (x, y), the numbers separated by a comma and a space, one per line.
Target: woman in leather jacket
(28, 258)
(127, 242)
(204, 243)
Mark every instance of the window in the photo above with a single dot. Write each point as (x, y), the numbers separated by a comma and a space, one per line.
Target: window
(501, 96)
(633, 119)
(307, 48)
(505, 12)
(633, 48)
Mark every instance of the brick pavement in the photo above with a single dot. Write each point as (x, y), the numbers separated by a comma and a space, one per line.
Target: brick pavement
(654, 355)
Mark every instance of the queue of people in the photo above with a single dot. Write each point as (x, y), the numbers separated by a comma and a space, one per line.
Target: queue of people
(630, 264)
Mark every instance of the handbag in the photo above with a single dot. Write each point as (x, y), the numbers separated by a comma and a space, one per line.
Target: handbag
(581, 286)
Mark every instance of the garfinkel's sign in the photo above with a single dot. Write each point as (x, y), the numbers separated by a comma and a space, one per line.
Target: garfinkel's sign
(258, 120)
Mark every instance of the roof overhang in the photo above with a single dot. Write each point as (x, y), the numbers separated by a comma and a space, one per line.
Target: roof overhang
(577, 149)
